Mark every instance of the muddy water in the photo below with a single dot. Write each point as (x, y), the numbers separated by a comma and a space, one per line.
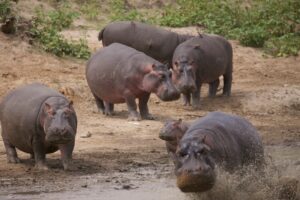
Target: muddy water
(160, 183)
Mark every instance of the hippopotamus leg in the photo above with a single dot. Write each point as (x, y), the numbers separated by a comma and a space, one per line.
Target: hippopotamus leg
(32, 156)
(12, 156)
(66, 154)
(108, 108)
(227, 81)
(196, 96)
(39, 153)
(99, 103)
(213, 87)
(132, 108)
(144, 111)
(186, 99)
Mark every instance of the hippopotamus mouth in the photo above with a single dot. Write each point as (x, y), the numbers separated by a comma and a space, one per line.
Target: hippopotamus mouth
(195, 182)
(164, 136)
(59, 139)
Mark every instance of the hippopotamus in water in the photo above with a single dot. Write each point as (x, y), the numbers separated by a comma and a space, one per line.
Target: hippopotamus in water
(38, 120)
(202, 59)
(156, 42)
(220, 139)
(118, 74)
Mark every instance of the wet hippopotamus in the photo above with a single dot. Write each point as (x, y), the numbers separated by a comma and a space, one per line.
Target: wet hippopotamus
(38, 120)
(156, 42)
(226, 140)
(172, 132)
(118, 74)
(202, 59)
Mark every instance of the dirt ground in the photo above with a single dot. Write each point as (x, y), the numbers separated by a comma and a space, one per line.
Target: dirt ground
(127, 160)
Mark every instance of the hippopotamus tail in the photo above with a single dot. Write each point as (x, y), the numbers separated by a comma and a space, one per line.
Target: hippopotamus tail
(100, 36)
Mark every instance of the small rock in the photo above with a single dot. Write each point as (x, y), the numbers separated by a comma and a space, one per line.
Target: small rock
(84, 186)
(87, 135)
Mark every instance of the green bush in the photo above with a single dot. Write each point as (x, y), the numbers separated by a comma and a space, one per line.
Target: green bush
(253, 24)
(119, 11)
(46, 27)
(5, 9)
(90, 8)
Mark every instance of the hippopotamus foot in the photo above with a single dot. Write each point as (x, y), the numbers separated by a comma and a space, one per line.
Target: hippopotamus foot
(41, 166)
(134, 117)
(227, 84)
(11, 159)
(66, 155)
(213, 88)
(186, 99)
(108, 109)
(68, 165)
(196, 100)
(12, 156)
(147, 116)
(226, 94)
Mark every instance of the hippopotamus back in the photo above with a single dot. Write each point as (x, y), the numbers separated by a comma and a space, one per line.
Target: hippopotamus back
(22, 119)
(153, 41)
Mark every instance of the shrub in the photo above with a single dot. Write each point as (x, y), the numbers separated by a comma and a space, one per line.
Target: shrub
(5, 9)
(46, 29)
(253, 24)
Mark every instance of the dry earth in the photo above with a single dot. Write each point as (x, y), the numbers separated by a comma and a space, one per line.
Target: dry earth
(127, 160)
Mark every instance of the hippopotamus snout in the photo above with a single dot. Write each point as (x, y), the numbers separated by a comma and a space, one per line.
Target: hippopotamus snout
(59, 135)
(195, 177)
(167, 91)
(184, 77)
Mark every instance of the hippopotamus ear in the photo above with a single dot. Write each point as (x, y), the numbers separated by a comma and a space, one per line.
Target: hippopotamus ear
(48, 109)
(70, 104)
(197, 46)
(208, 141)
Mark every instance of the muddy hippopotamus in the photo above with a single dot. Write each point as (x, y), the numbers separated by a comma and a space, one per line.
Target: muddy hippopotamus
(38, 120)
(118, 74)
(226, 140)
(156, 42)
(202, 59)
(172, 132)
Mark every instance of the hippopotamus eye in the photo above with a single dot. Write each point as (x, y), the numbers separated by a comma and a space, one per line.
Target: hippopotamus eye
(163, 77)
(183, 154)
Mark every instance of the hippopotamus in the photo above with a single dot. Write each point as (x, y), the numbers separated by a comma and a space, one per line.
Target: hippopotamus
(202, 59)
(118, 74)
(217, 139)
(38, 120)
(156, 42)
(172, 132)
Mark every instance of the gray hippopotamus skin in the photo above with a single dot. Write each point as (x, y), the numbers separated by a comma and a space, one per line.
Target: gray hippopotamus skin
(156, 42)
(118, 74)
(38, 120)
(226, 140)
(199, 60)
(172, 132)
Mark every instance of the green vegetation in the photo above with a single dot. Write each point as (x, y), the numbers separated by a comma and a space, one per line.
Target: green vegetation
(122, 12)
(90, 9)
(46, 28)
(5, 9)
(270, 24)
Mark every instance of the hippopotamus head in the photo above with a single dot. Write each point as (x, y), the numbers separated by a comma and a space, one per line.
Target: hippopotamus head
(194, 166)
(158, 81)
(173, 130)
(184, 74)
(59, 122)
